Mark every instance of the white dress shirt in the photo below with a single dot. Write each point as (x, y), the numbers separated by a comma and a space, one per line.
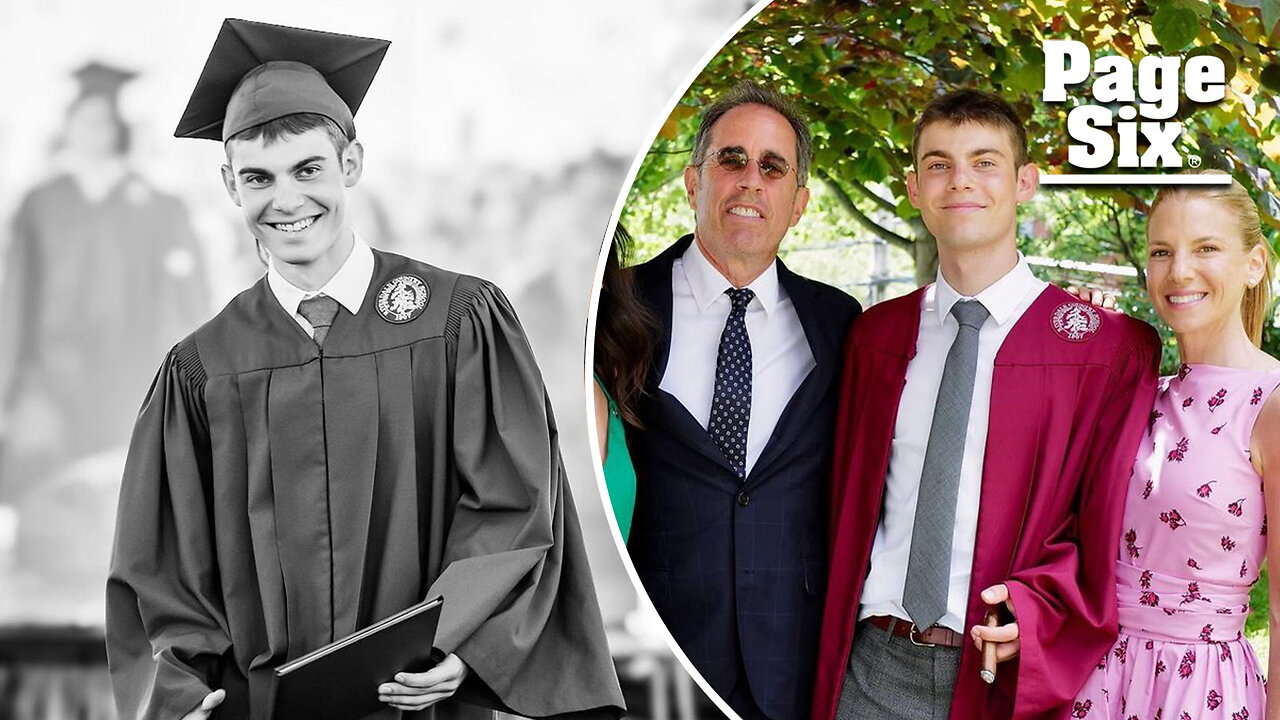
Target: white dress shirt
(348, 286)
(780, 354)
(1006, 299)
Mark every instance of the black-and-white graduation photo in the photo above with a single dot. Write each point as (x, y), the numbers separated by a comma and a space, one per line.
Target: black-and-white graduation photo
(293, 304)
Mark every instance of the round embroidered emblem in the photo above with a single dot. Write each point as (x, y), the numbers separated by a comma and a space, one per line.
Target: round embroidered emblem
(402, 298)
(1076, 322)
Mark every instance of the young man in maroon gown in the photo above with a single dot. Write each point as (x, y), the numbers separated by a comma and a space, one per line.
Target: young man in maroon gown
(958, 490)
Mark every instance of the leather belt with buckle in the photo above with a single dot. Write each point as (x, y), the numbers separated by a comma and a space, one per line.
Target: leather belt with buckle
(934, 636)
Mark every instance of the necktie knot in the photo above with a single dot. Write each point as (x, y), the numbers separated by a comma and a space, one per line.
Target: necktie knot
(970, 313)
(740, 297)
(319, 311)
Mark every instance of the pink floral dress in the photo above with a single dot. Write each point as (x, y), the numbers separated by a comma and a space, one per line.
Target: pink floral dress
(1194, 539)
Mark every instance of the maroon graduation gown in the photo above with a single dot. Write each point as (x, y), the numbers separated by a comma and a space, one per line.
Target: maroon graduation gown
(277, 498)
(1066, 419)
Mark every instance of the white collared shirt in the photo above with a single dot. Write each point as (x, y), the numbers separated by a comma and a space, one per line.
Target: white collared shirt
(348, 286)
(1006, 299)
(780, 354)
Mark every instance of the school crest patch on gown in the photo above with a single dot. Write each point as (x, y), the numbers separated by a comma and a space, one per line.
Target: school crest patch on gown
(1076, 322)
(402, 298)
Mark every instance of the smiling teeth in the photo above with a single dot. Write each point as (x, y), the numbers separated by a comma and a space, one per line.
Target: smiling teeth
(1184, 299)
(744, 212)
(298, 226)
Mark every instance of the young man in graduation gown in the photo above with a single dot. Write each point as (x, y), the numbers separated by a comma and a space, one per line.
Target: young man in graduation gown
(987, 427)
(354, 433)
(733, 457)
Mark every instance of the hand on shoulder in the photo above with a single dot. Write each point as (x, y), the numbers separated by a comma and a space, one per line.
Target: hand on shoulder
(1097, 298)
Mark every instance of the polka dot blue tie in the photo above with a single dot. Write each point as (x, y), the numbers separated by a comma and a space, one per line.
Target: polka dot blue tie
(731, 401)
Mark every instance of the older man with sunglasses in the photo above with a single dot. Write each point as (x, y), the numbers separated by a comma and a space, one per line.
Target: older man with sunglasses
(733, 452)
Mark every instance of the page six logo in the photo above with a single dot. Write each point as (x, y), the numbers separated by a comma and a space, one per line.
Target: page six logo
(1139, 107)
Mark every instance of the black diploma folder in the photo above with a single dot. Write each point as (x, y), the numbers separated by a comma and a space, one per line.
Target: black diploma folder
(341, 679)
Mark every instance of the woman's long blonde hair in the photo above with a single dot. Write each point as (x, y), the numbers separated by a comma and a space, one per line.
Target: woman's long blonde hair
(1257, 299)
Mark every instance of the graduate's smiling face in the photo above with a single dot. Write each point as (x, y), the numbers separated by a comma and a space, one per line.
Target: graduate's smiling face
(967, 185)
(292, 192)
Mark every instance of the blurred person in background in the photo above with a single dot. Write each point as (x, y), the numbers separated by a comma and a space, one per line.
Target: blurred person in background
(103, 274)
(621, 362)
(1194, 533)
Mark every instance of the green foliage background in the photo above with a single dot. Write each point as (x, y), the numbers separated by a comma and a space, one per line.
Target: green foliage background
(861, 71)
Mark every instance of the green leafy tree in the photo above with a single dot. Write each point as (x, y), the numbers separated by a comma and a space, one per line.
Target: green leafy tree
(861, 71)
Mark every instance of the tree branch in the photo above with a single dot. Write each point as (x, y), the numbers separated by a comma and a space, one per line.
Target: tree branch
(904, 243)
(665, 151)
(884, 204)
(1122, 237)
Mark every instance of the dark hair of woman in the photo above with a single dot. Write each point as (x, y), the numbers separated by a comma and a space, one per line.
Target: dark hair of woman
(624, 332)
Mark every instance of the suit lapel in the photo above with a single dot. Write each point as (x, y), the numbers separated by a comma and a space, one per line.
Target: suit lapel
(824, 345)
(687, 430)
(654, 280)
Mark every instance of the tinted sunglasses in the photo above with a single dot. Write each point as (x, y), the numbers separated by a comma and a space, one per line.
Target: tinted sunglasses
(736, 160)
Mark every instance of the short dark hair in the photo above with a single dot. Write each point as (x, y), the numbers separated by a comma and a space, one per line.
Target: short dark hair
(296, 124)
(968, 105)
(748, 93)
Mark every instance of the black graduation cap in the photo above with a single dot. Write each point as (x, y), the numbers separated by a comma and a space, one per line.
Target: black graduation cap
(97, 78)
(258, 72)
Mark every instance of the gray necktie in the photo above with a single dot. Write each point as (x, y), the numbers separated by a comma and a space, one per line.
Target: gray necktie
(319, 311)
(929, 569)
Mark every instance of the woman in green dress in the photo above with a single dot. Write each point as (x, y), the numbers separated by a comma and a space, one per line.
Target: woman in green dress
(623, 355)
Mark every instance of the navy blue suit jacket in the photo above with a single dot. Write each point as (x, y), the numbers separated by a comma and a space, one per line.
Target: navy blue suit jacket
(738, 571)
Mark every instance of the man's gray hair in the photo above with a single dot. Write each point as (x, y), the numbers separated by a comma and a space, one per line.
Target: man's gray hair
(748, 93)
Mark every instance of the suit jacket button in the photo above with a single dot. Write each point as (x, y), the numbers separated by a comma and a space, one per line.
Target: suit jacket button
(744, 499)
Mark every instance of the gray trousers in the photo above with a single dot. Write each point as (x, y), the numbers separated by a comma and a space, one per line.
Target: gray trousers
(891, 678)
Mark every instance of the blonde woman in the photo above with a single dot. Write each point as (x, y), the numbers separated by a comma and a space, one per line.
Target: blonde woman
(1208, 471)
